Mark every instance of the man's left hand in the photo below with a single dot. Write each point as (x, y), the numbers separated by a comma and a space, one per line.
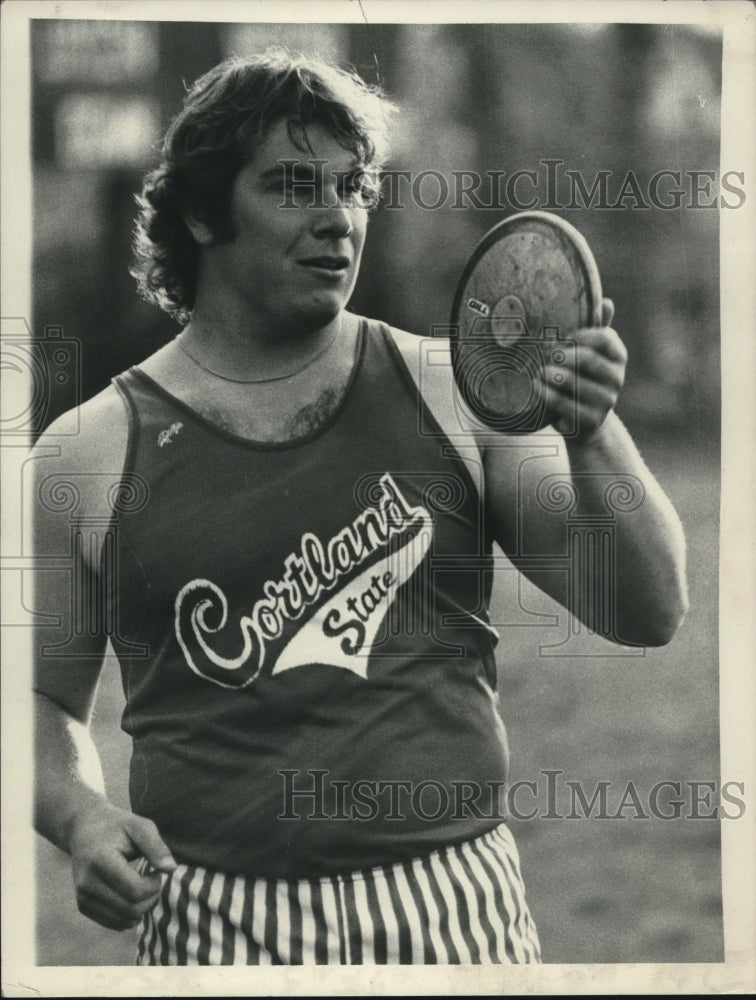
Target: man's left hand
(581, 391)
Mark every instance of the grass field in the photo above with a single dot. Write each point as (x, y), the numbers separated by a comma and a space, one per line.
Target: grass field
(602, 891)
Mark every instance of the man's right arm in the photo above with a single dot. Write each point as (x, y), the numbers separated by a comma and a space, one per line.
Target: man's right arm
(75, 458)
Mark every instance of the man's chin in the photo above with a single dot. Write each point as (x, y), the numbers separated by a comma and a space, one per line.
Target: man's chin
(314, 314)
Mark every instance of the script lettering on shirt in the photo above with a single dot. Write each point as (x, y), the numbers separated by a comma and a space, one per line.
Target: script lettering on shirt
(314, 569)
(362, 609)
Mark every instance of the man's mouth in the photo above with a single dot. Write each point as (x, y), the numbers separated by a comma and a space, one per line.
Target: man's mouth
(326, 263)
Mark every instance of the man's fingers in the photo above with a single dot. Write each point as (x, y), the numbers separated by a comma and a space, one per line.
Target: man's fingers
(115, 919)
(109, 887)
(591, 396)
(567, 417)
(105, 896)
(113, 870)
(144, 834)
(607, 312)
(584, 369)
(603, 340)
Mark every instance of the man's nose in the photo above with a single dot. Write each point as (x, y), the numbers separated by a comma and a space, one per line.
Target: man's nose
(333, 218)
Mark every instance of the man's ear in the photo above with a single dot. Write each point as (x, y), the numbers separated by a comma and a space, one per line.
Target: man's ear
(199, 229)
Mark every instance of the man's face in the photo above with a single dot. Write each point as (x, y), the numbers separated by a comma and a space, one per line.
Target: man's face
(290, 268)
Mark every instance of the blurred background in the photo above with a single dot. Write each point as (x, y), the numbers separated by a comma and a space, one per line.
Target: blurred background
(616, 98)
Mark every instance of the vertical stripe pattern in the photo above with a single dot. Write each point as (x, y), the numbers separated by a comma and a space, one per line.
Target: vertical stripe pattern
(464, 903)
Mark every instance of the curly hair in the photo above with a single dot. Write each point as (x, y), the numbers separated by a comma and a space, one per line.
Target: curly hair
(226, 115)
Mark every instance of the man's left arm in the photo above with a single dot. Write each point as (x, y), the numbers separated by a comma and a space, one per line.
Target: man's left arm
(536, 483)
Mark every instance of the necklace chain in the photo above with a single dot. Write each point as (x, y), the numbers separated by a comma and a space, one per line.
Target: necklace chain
(258, 381)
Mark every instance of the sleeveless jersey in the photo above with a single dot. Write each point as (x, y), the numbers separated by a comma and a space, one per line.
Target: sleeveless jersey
(314, 692)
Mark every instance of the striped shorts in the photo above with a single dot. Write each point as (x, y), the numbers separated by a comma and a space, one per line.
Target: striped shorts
(461, 904)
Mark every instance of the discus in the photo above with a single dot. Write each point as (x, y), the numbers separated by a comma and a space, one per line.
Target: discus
(531, 281)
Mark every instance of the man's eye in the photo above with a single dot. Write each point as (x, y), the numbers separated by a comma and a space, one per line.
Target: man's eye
(287, 180)
(278, 182)
(361, 188)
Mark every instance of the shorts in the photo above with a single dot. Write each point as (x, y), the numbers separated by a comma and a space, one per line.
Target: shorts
(461, 904)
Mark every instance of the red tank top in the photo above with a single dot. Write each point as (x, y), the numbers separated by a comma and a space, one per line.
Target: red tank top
(317, 691)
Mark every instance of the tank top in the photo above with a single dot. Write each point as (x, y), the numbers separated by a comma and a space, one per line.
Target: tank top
(313, 689)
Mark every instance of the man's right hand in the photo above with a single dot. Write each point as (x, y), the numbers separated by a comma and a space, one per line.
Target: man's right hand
(109, 890)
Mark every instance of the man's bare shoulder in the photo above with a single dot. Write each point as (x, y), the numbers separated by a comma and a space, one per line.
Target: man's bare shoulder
(429, 360)
(92, 437)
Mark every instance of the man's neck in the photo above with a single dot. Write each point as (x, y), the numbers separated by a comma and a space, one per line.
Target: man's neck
(271, 408)
(244, 348)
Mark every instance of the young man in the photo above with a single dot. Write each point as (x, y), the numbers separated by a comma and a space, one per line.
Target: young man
(295, 578)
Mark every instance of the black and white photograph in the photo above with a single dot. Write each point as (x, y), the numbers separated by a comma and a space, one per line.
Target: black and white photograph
(378, 470)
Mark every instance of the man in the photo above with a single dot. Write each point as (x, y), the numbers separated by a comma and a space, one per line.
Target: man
(296, 579)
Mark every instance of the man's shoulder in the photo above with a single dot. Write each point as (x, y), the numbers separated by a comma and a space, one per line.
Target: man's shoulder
(418, 343)
(77, 467)
(429, 360)
(91, 437)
